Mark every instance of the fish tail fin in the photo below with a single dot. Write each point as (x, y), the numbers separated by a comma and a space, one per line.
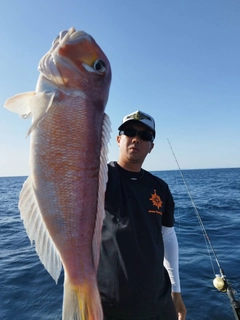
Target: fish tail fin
(81, 302)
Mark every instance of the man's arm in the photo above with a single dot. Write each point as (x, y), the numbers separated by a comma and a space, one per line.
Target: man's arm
(172, 265)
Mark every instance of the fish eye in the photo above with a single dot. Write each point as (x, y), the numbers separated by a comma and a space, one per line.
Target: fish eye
(99, 66)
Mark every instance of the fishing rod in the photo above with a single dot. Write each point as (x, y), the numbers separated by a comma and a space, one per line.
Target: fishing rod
(220, 282)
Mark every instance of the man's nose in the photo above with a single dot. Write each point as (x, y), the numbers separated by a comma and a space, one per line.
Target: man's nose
(136, 139)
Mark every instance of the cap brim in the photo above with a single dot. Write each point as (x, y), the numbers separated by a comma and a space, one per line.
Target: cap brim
(127, 123)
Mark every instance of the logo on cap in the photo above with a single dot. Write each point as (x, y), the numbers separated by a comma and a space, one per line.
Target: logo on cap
(138, 116)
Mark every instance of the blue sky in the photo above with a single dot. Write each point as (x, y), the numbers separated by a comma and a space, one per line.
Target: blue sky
(176, 60)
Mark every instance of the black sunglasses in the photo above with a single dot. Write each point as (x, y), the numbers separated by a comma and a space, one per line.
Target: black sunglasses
(131, 132)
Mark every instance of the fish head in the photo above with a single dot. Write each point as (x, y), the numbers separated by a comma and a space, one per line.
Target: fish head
(76, 62)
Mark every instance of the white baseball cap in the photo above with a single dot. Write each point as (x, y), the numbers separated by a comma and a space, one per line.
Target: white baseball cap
(139, 116)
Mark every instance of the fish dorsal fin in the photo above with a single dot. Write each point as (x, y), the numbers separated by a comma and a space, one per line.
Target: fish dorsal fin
(37, 231)
(103, 176)
(31, 104)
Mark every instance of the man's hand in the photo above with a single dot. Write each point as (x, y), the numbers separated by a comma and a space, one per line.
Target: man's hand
(179, 305)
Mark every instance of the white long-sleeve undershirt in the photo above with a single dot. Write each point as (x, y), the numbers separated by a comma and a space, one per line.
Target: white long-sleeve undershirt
(171, 256)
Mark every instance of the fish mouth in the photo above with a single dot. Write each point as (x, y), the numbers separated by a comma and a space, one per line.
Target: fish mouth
(48, 63)
(69, 36)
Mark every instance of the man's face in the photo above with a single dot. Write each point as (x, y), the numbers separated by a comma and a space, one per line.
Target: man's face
(134, 149)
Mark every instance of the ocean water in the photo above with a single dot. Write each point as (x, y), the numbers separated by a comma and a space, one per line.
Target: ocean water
(28, 292)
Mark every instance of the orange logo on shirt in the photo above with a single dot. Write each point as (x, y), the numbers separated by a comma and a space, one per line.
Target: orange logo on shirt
(156, 201)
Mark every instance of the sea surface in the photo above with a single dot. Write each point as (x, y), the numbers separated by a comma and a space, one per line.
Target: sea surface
(28, 292)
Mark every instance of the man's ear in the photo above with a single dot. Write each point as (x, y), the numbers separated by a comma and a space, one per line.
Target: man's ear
(151, 147)
(118, 139)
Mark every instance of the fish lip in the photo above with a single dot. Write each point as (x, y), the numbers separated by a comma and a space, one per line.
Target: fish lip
(69, 36)
(76, 35)
(64, 37)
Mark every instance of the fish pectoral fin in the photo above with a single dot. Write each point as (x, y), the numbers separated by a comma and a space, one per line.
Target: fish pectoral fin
(20, 104)
(31, 104)
(40, 104)
(37, 231)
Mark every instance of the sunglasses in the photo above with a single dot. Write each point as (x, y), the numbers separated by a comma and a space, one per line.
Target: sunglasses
(144, 135)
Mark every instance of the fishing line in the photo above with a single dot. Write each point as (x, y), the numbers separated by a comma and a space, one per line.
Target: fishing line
(207, 239)
(220, 282)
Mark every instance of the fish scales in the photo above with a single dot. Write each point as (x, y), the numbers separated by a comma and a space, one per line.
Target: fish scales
(62, 202)
(64, 161)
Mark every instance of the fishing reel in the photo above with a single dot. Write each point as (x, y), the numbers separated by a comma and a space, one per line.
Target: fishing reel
(220, 283)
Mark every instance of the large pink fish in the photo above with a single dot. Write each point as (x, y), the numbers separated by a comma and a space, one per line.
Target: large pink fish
(62, 201)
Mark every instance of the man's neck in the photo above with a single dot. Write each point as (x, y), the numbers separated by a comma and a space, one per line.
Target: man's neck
(130, 166)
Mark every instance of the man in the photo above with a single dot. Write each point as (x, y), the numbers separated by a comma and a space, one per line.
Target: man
(138, 233)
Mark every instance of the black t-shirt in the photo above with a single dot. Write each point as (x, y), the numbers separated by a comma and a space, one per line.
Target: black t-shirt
(131, 278)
